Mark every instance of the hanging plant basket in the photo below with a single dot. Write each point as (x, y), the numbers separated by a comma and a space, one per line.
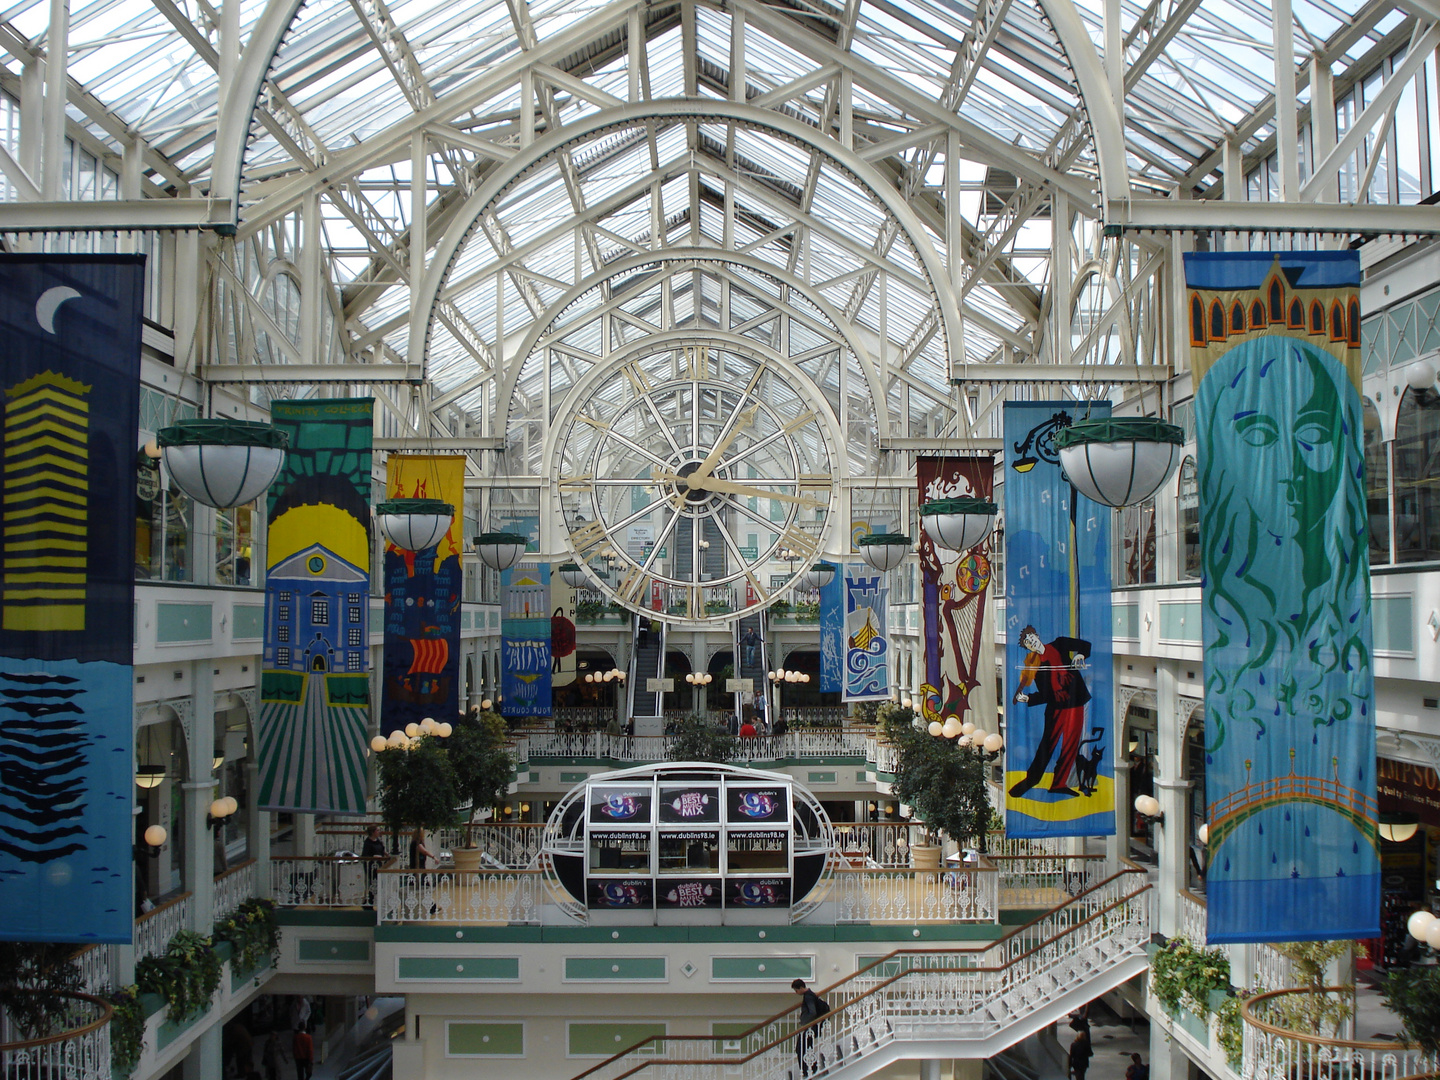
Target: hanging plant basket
(818, 576)
(573, 574)
(500, 550)
(1120, 462)
(958, 524)
(223, 463)
(414, 524)
(884, 551)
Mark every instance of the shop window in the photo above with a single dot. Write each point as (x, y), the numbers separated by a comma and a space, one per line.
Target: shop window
(1377, 486)
(234, 545)
(164, 530)
(1136, 550)
(1417, 477)
(1188, 562)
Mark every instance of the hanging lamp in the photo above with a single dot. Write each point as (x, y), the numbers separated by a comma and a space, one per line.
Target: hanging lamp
(573, 574)
(958, 524)
(818, 576)
(414, 524)
(500, 550)
(1120, 462)
(223, 463)
(884, 551)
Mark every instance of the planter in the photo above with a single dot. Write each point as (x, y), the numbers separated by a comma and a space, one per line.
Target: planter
(1120, 462)
(415, 524)
(925, 856)
(467, 859)
(958, 524)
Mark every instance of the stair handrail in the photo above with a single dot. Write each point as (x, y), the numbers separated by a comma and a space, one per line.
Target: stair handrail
(1130, 868)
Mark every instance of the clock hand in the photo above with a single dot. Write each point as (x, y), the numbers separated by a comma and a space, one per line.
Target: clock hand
(729, 487)
(697, 478)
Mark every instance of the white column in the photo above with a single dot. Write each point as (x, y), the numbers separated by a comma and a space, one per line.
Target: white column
(57, 45)
(1167, 1060)
(930, 1070)
(1287, 142)
(203, 1062)
(199, 793)
(1172, 793)
(257, 827)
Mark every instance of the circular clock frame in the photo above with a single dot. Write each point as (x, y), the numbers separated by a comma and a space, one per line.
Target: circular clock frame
(757, 455)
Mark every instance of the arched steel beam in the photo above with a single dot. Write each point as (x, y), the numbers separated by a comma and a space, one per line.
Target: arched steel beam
(685, 259)
(634, 114)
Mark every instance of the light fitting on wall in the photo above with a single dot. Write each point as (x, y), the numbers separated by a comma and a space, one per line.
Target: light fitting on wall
(1148, 806)
(221, 809)
(1398, 827)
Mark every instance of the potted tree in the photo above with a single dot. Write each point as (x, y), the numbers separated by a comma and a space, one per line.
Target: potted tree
(483, 769)
(944, 784)
(417, 786)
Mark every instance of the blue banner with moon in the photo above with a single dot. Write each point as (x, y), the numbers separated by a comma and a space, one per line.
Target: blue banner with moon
(867, 637)
(71, 378)
(832, 631)
(526, 652)
(1293, 851)
(1059, 737)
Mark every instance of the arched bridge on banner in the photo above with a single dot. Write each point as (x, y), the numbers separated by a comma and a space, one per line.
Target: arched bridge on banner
(1229, 813)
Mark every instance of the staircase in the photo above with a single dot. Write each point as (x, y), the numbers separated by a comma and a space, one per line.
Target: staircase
(647, 661)
(961, 1003)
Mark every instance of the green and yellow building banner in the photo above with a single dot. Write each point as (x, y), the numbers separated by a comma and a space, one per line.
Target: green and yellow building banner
(1289, 687)
(71, 379)
(315, 683)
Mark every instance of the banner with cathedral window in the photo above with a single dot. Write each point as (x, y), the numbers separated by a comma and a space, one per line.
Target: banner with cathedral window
(1059, 677)
(71, 380)
(959, 631)
(1293, 850)
(421, 677)
(314, 682)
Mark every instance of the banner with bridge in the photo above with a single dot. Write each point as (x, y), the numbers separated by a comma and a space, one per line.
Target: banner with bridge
(422, 600)
(1289, 688)
(71, 327)
(1059, 679)
(315, 682)
(955, 592)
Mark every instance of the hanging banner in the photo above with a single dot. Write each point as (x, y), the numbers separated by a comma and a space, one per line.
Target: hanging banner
(422, 600)
(1289, 688)
(955, 598)
(1059, 748)
(562, 631)
(526, 657)
(832, 632)
(867, 641)
(71, 377)
(314, 683)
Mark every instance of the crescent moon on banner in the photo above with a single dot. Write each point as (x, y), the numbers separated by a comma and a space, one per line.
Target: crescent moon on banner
(49, 303)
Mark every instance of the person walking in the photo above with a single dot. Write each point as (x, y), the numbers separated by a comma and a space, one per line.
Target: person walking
(812, 1007)
(302, 1049)
(1138, 1070)
(270, 1056)
(1080, 1054)
(420, 855)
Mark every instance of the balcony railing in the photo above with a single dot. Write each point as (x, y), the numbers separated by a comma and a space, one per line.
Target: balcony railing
(913, 896)
(1045, 881)
(155, 928)
(493, 897)
(809, 744)
(1274, 1051)
(1273, 969)
(233, 887)
(98, 969)
(81, 1051)
(327, 881)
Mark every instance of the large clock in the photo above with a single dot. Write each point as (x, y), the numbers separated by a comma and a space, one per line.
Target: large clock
(695, 482)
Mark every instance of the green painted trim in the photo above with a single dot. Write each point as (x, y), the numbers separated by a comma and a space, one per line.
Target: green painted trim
(247, 622)
(169, 1031)
(310, 917)
(466, 968)
(823, 778)
(573, 777)
(604, 1038)
(465, 1038)
(761, 968)
(240, 978)
(178, 624)
(332, 951)
(413, 934)
(617, 968)
(862, 776)
(593, 935)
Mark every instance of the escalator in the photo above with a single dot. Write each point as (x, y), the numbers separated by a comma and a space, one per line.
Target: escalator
(647, 661)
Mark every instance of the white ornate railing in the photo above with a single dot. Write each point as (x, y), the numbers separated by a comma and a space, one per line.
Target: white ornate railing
(514, 847)
(917, 994)
(97, 969)
(874, 843)
(1272, 1051)
(644, 749)
(155, 928)
(328, 881)
(81, 1050)
(234, 887)
(1045, 881)
(1192, 917)
(504, 897)
(1273, 969)
(913, 896)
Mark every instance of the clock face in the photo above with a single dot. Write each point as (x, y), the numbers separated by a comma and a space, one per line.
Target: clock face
(696, 483)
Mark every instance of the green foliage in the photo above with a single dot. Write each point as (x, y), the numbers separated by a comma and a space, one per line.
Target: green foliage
(30, 973)
(417, 786)
(1413, 994)
(589, 611)
(697, 739)
(127, 1030)
(483, 766)
(1315, 1012)
(187, 976)
(943, 781)
(1230, 1028)
(892, 719)
(252, 933)
(1183, 973)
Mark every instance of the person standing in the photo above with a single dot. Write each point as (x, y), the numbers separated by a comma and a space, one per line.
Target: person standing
(812, 1007)
(420, 855)
(1080, 1054)
(1138, 1070)
(270, 1056)
(302, 1048)
(372, 851)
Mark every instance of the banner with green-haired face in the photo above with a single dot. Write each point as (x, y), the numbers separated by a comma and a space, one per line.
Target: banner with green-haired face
(1289, 689)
